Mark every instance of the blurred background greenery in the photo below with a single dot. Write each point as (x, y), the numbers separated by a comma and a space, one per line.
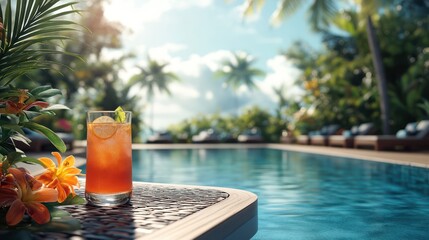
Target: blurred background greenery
(339, 81)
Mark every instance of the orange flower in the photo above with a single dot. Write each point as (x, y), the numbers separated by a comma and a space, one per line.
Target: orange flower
(17, 106)
(63, 178)
(8, 181)
(26, 199)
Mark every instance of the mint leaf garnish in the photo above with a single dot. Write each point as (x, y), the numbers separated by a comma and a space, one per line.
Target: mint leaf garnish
(119, 115)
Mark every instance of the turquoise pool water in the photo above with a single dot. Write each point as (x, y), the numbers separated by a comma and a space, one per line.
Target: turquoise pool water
(305, 196)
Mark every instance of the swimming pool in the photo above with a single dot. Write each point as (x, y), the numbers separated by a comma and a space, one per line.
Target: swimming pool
(305, 196)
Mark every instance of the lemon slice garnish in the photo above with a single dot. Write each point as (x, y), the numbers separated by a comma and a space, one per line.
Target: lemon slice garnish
(104, 119)
(104, 127)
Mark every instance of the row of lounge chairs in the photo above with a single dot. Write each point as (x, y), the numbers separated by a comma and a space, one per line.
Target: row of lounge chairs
(413, 136)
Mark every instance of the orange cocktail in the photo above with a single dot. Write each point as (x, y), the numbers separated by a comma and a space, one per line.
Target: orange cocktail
(109, 160)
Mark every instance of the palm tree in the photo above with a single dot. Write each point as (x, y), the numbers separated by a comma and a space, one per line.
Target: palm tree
(321, 14)
(152, 77)
(238, 72)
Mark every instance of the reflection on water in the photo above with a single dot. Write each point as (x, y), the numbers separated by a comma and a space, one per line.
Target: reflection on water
(305, 196)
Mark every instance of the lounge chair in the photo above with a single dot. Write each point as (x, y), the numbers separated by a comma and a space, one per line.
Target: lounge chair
(206, 136)
(160, 137)
(250, 136)
(287, 137)
(323, 137)
(303, 139)
(409, 140)
(347, 138)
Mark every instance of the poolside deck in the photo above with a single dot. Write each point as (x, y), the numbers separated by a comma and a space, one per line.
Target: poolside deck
(413, 158)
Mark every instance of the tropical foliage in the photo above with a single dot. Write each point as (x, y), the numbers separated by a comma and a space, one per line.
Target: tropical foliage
(153, 78)
(31, 24)
(341, 80)
(91, 81)
(239, 71)
(29, 31)
(270, 125)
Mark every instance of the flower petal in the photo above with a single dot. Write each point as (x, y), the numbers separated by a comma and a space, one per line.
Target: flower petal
(20, 180)
(38, 212)
(7, 196)
(8, 181)
(68, 189)
(62, 194)
(33, 182)
(58, 157)
(46, 177)
(47, 162)
(68, 161)
(71, 171)
(15, 213)
(37, 103)
(45, 195)
(70, 180)
(53, 184)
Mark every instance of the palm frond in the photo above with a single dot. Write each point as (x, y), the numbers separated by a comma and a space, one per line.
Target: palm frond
(239, 71)
(252, 7)
(31, 32)
(347, 21)
(370, 7)
(284, 9)
(153, 76)
(321, 13)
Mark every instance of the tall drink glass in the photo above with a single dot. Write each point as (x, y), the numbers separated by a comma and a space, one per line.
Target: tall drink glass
(109, 160)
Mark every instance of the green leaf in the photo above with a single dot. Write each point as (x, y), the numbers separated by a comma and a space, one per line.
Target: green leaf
(59, 213)
(55, 107)
(49, 93)
(31, 160)
(120, 115)
(30, 115)
(14, 127)
(21, 138)
(70, 200)
(3, 150)
(55, 140)
(74, 200)
(27, 24)
(35, 91)
(14, 157)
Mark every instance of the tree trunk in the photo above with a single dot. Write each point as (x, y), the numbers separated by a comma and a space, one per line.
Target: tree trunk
(151, 116)
(237, 105)
(380, 75)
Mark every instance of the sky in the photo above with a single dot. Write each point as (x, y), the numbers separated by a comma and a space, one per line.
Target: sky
(194, 37)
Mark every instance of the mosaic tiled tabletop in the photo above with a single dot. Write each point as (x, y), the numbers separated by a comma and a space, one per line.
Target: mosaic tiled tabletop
(152, 207)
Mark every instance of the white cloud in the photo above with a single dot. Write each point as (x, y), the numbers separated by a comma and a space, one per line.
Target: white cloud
(200, 92)
(283, 73)
(209, 95)
(166, 51)
(184, 91)
(133, 13)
